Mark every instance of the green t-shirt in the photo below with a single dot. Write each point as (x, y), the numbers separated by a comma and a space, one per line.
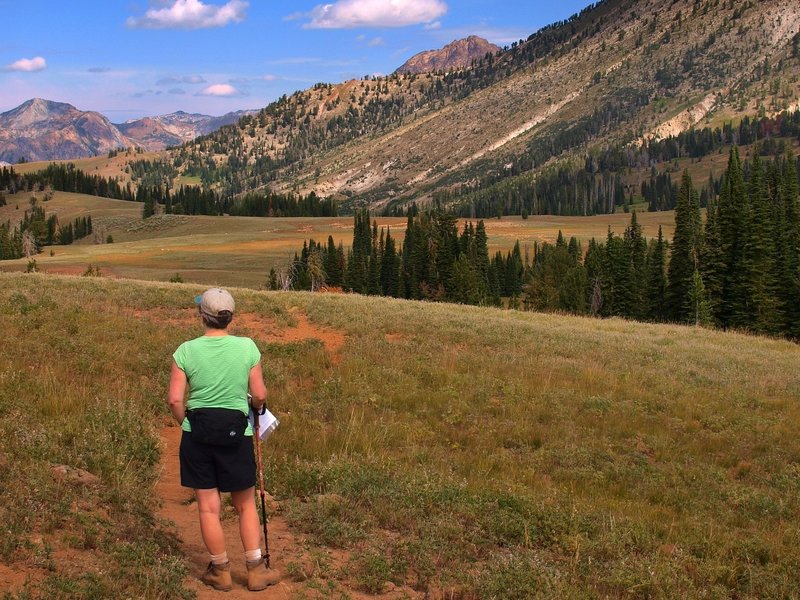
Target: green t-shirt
(218, 371)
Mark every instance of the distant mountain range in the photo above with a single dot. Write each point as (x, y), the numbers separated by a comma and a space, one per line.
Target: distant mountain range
(157, 133)
(45, 130)
(459, 54)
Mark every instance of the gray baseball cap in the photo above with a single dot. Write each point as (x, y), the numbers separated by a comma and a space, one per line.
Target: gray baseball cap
(215, 301)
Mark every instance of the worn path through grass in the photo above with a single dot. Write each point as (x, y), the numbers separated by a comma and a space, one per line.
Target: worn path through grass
(288, 548)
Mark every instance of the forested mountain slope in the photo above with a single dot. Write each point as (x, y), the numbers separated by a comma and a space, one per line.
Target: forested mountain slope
(622, 71)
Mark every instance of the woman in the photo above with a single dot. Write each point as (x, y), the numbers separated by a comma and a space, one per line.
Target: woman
(216, 452)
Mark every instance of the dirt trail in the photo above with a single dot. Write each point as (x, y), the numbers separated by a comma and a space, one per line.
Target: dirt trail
(178, 508)
(286, 546)
(264, 329)
(258, 327)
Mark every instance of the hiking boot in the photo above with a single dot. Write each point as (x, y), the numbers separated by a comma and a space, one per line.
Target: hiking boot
(259, 575)
(218, 577)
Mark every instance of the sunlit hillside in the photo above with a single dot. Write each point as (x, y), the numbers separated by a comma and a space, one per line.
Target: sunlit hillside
(424, 451)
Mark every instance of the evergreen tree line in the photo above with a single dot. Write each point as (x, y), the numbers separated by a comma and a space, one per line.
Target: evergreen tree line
(596, 186)
(622, 276)
(271, 204)
(187, 200)
(37, 230)
(697, 143)
(151, 173)
(560, 190)
(72, 232)
(435, 262)
(661, 192)
(65, 178)
(739, 269)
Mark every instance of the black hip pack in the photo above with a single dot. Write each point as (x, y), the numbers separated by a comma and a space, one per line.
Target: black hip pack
(217, 426)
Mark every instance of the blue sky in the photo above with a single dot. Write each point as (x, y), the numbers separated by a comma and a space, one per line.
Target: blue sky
(139, 58)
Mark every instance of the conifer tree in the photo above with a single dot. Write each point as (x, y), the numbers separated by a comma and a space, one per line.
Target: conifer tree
(637, 250)
(760, 253)
(390, 267)
(447, 249)
(514, 271)
(272, 281)
(789, 274)
(482, 256)
(420, 258)
(407, 277)
(712, 260)
(574, 249)
(374, 270)
(148, 208)
(331, 264)
(617, 277)
(685, 253)
(466, 284)
(657, 278)
(356, 276)
(734, 222)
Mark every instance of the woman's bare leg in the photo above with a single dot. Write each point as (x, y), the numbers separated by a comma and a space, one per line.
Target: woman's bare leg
(244, 502)
(209, 506)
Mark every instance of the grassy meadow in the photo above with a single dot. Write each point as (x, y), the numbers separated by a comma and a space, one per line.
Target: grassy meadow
(239, 251)
(465, 452)
(95, 165)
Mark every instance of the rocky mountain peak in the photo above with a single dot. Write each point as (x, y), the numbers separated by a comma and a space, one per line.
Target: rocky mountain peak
(37, 110)
(455, 55)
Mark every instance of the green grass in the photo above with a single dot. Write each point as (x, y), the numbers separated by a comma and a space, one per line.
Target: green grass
(467, 451)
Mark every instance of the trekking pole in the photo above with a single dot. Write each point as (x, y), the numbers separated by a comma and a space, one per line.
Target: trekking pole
(261, 491)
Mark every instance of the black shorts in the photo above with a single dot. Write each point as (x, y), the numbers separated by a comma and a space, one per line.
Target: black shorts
(227, 468)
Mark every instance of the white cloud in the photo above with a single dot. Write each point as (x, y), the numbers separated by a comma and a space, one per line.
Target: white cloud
(28, 65)
(270, 77)
(345, 14)
(378, 41)
(433, 26)
(190, 14)
(219, 89)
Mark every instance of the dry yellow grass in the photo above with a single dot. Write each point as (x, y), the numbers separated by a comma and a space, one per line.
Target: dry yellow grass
(96, 165)
(471, 451)
(241, 250)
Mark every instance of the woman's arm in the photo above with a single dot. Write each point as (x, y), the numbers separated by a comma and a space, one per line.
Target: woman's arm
(177, 389)
(257, 388)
